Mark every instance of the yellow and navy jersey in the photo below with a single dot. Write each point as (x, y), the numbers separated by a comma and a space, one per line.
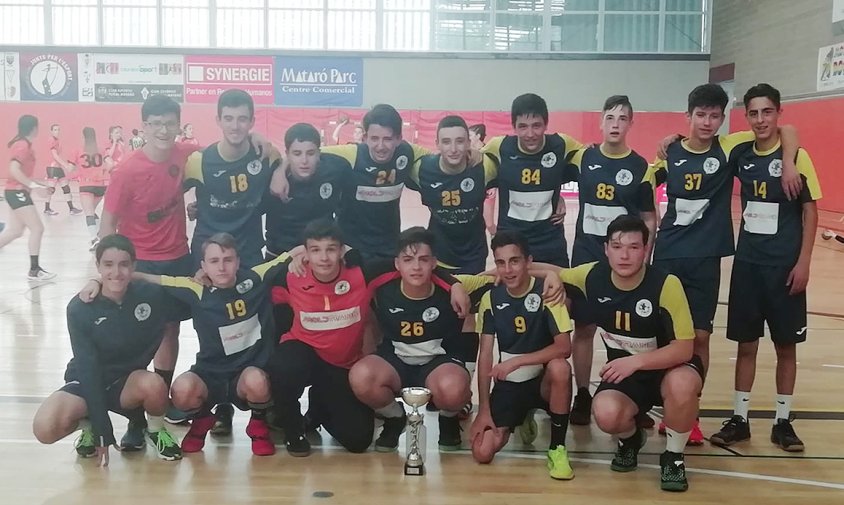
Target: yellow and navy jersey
(456, 202)
(521, 324)
(634, 321)
(414, 328)
(529, 189)
(697, 222)
(234, 325)
(229, 196)
(369, 213)
(771, 225)
(609, 186)
(318, 197)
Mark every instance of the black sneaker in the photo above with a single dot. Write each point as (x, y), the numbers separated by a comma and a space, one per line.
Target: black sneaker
(298, 446)
(388, 440)
(581, 411)
(733, 430)
(449, 434)
(311, 421)
(783, 436)
(135, 437)
(673, 472)
(223, 415)
(626, 457)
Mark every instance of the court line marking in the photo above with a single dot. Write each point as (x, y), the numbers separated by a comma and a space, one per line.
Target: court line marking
(832, 366)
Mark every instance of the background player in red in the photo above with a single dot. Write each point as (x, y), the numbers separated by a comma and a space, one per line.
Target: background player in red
(117, 149)
(187, 135)
(92, 173)
(57, 172)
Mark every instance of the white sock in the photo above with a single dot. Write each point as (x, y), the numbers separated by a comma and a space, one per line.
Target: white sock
(675, 442)
(84, 424)
(392, 410)
(742, 404)
(471, 368)
(155, 423)
(783, 407)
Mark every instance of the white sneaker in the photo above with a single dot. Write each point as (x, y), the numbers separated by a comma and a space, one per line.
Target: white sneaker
(827, 234)
(40, 275)
(94, 242)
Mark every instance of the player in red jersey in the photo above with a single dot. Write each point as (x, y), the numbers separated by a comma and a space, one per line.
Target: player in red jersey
(187, 135)
(117, 149)
(18, 187)
(57, 172)
(92, 173)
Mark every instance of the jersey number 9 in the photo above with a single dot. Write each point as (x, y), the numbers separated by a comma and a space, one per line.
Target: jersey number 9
(409, 329)
(236, 309)
(521, 324)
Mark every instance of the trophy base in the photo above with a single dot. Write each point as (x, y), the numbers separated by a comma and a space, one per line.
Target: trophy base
(414, 470)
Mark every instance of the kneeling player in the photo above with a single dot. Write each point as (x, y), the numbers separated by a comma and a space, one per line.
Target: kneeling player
(113, 339)
(532, 371)
(647, 330)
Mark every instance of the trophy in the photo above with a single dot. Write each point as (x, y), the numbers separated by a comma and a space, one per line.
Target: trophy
(415, 397)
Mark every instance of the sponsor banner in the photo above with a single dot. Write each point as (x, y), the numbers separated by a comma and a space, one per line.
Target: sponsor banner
(10, 81)
(47, 76)
(318, 82)
(830, 74)
(130, 77)
(206, 77)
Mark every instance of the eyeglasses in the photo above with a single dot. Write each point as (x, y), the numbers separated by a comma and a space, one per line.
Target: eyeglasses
(158, 125)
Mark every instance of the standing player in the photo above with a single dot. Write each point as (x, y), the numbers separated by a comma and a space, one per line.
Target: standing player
(771, 269)
(613, 181)
(531, 371)
(116, 149)
(113, 338)
(57, 172)
(92, 173)
(532, 171)
(137, 141)
(18, 190)
(187, 134)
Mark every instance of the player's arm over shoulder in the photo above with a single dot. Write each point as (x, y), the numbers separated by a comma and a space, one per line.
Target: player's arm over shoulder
(348, 152)
(673, 301)
(576, 277)
(805, 167)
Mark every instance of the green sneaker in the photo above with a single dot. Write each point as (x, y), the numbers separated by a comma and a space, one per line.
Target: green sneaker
(673, 472)
(165, 445)
(559, 466)
(626, 457)
(85, 447)
(528, 430)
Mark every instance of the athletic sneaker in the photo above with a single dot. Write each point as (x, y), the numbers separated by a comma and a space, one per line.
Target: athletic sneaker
(311, 422)
(528, 430)
(626, 457)
(51, 212)
(388, 440)
(784, 437)
(176, 416)
(259, 432)
(733, 430)
(134, 439)
(673, 472)
(559, 466)
(828, 234)
(94, 243)
(223, 415)
(75, 212)
(85, 447)
(449, 434)
(581, 411)
(298, 446)
(165, 445)
(40, 275)
(194, 440)
(696, 436)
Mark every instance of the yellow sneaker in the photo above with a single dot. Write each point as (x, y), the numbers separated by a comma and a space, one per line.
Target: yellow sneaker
(528, 430)
(558, 464)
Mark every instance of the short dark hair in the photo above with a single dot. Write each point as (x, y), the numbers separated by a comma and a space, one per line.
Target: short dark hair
(235, 98)
(763, 90)
(708, 95)
(452, 122)
(224, 240)
(616, 100)
(529, 104)
(134, 131)
(54, 125)
(628, 224)
(480, 129)
(115, 241)
(510, 237)
(414, 236)
(303, 132)
(383, 115)
(322, 229)
(159, 105)
(26, 125)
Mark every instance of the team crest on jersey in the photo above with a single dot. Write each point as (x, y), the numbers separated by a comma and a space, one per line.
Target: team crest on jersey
(467, 184)
(173, 170)
(624, 177)
(549, 160)
(245, 286)
(532, 302)
(644, 308)
(326, 190)
(143, 311)
(711, 165)
(342, 287)
(775, 168)
(431, 314)
(254, 167)
(401, 162)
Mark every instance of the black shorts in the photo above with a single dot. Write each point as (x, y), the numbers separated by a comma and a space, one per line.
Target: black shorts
(701, 279)
(645, 386)
(17, 198)
(55, 173)
(561, 259)
(98, 191)
(112, 396)
(580, 254)
(510, 402)
(222, 387)
(415, 375)
(179, 267)
(759, 295)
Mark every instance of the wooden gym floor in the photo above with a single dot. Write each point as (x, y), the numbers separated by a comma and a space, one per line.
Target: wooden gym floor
(34, 349)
